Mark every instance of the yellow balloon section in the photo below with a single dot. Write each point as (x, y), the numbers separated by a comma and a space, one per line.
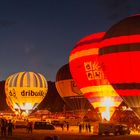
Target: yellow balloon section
(25, 90)
(67, 88)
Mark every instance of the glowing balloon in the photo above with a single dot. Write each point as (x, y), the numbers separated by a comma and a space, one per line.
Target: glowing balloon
(120, 55)
(69, 91)
(25, 90)
(87, 73)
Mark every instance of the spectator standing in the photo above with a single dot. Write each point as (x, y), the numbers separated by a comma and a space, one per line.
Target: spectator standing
(86, 127)
(30, 127)
(80, 128)
(62, 126)
(3, 127)
(67, 126)
(10, 128)
(89, 127)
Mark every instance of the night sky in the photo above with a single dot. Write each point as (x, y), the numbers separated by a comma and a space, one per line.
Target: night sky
(38, 35)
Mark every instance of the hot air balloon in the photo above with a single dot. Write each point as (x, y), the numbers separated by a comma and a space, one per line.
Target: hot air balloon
(70, 93)
(25, 90)
(87, 73)
(120, 55)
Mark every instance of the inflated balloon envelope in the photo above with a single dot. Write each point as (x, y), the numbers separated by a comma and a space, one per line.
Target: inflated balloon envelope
(25, 90)
(120, 54)
(87, 72)
(70, 93)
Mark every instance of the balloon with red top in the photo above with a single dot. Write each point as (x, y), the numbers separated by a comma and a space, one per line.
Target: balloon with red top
(120, 55)
(87, 73)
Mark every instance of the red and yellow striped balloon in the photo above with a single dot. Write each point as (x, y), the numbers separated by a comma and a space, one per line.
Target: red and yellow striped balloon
(120, 54)
(87, 72)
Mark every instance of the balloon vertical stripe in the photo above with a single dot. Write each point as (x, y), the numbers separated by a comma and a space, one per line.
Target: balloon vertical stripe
(35, 80)
(28, 79)
(40, 80)
(22, 80)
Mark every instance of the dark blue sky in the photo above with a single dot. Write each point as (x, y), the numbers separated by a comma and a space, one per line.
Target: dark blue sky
(38, 35)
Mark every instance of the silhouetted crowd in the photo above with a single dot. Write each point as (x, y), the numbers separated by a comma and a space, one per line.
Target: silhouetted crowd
(6, 127)
(83, 127)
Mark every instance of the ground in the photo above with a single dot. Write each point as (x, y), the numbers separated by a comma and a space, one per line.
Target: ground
(72, 134)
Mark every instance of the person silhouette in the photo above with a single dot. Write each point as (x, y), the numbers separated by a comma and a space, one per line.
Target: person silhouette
(10, 128)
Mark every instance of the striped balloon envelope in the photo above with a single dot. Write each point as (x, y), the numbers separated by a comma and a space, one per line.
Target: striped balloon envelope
(69, 91)
(25, 90)
(120, 55)
(87, 72)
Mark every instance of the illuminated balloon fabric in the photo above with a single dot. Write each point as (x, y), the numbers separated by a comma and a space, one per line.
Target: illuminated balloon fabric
(10, 104)
(25, 90)
(69, 91)
(8, 100)
(120, 55)
(87, 72)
